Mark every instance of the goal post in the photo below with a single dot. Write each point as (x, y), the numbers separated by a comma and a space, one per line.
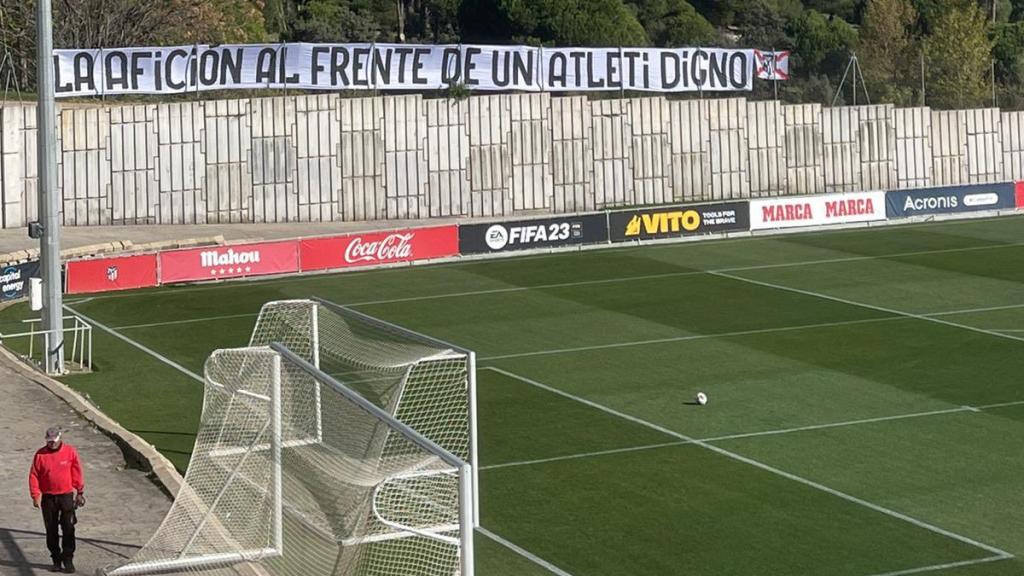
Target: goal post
(335, 444)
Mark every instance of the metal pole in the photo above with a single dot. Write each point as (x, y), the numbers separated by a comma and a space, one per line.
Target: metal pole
(49, 201)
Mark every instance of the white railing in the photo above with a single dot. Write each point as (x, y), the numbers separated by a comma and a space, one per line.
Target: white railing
(79, 333)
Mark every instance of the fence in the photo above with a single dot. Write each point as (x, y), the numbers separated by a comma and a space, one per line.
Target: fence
(321, 157)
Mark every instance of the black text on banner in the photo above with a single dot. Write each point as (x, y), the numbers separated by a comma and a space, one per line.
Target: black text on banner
(676, 221)
(528, 234)
(178, 69)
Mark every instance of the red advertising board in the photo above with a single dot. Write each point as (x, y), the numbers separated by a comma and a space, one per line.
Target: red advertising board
(1019, 189)
(215, 262)
(374, 248)
(105, 274)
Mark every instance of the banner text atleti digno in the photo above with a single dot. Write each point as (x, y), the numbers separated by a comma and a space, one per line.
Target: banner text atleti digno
(178, 69)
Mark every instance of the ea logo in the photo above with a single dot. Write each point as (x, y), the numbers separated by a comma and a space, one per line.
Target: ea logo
(496, 237)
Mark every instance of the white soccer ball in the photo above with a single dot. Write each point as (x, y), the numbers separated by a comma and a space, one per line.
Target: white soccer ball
(702, 398)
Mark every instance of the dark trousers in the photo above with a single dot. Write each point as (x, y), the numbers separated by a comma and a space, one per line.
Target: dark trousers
(59, 513)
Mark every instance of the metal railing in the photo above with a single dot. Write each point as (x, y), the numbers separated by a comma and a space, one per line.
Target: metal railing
(80, 336)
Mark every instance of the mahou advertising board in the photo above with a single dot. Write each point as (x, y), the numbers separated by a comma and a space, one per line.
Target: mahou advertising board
(216, 262)
(374, 248)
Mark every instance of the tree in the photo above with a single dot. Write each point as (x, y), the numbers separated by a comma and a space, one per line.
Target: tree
(886, 49)
(119, 23)
(671, 23)
(572, 23)
(820, 42)
(958, 54)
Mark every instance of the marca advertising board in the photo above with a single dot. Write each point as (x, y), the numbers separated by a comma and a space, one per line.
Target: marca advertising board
(1019, 189)
(677, 221)
(373, 248)
(950, 199)
(838, 208)
(107, 274)
(236, 261)
(14, 279)
(529, 234)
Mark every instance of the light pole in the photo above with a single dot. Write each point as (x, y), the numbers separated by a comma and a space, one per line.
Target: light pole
(49, 201)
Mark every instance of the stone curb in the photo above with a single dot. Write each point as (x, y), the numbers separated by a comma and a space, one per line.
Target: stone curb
(137, 452)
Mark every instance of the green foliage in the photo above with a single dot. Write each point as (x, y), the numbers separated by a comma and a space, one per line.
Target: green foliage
(887, 53)
(671, 23)
(822, 42)
(958, 56)
(572, 22)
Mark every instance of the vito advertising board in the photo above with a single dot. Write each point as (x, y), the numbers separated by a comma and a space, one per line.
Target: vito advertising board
(374, 248)
(529, 234)
(950, 199)
(677, 221)
(14, 279)
(108, 274)
(235, 261)
(838, 208)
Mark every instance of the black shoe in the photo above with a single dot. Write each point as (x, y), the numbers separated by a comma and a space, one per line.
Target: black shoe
(69, 567)
(57, 567)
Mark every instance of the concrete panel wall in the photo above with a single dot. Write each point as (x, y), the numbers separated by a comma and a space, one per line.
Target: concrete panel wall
(803, 148)
(913, 131)
(325, 158)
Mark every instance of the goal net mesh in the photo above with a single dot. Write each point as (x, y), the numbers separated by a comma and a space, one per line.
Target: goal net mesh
(303, 465)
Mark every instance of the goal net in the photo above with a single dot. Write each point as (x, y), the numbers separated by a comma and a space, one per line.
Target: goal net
(335, 444)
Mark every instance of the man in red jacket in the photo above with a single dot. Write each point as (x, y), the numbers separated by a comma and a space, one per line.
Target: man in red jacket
(56, 484)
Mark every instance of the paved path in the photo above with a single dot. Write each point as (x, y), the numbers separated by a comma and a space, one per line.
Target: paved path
(124, 507)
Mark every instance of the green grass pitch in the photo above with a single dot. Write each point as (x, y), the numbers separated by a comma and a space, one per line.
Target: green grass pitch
(866, 388)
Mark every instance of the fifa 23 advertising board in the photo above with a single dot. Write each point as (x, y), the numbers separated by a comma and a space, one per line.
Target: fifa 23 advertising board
(14, 279)
(797, 211)
(108, 274)
(373, 248)
(529, 234)
(677, 221)
(949, 199)
(235, 261)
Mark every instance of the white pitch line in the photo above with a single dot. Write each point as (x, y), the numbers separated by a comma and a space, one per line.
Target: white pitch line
(523, 552)
(583, 455)
(776, 432)
(513, 289)
(689, 337)
(188, 321)
(864, 305)
(737, 333)
(936, 567)
(142, 347)
(677, 274)
(761, 465)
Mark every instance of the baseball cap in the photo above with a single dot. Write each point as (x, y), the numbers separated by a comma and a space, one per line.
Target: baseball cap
(53, 433)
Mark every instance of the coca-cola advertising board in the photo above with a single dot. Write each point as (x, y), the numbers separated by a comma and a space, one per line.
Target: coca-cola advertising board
(216, 262)
(107, 274)
(373, 248)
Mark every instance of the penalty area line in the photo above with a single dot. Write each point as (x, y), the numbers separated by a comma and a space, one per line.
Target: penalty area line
(138, 345)
(950, 565)
(757, 464)
(523, 552)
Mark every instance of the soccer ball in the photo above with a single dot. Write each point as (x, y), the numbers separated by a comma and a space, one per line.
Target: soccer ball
(702, 398)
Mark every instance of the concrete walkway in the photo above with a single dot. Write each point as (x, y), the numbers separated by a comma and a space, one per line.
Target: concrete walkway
(124, 507)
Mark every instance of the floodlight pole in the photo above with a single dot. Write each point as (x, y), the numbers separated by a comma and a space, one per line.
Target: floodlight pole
(49, 201)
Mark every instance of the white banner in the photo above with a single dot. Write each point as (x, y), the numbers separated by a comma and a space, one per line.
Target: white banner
(793, 212)
(179, 69)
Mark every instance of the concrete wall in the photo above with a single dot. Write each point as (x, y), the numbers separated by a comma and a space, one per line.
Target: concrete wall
(324, 158)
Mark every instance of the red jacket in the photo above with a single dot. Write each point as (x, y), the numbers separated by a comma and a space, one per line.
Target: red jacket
(55, 471)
